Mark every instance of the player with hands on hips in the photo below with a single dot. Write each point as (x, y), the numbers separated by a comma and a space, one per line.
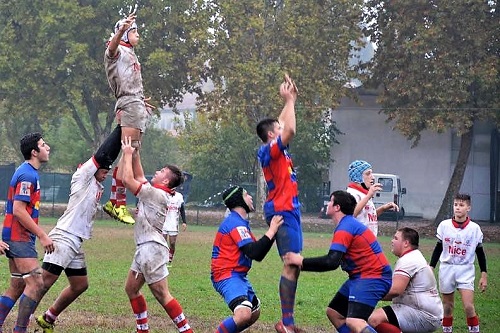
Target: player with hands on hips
(363, 187)
(460, 240)
(233, 250)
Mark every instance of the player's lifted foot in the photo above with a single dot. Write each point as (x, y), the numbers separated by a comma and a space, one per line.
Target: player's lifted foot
(45, 325)
(120, 213)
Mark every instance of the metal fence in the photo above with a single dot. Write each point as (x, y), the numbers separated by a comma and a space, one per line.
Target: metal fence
(55, 189)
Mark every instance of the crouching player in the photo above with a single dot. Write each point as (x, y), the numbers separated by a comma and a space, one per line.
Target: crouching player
(234, 248)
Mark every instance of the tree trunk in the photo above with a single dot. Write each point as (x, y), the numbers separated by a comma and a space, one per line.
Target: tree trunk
(446, 211)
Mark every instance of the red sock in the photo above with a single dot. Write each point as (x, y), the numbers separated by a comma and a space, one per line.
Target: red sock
(174, 311)
(118, 195)
(112, 196)
(387, 328)
(140, 309)
(447, 324)
(51, 315)
(171, 252)
(473, 323)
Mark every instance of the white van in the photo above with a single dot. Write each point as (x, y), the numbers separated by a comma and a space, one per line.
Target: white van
(391, 191)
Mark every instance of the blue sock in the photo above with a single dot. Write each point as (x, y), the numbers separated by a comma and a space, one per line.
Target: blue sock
(368, 329)
(287, 297)
(344, 329)
(26, 307)
(6, 304)
(228, 325)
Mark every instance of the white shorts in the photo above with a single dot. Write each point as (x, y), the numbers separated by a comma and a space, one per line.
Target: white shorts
(412, 320)
(453, 277)
(150, 260)
(170, 228)
(68, 251)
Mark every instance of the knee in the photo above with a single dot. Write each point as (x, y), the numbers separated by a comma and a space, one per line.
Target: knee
(469, 309)
(448, 309)
(373, 321)
(291, 272)
(243, 316)
(377, 317)
(131, 292)
(355, 324)
(335, 318)
(81, 287)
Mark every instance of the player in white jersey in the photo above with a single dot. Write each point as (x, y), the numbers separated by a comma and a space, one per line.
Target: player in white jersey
(170, 230)
(459, 241)
(151, 255)
(416, 306)
(362, 186)
(123, 71)
(75, 226)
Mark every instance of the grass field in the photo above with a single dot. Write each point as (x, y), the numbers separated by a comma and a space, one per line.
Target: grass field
(104, 307)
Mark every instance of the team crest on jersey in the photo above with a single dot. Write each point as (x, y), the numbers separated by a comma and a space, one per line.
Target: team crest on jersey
(244, 233)
(25, 188)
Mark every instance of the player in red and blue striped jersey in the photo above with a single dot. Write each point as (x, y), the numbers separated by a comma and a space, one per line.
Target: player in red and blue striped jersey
(282, 198)
(234, 248)
(20, 229)
(356, 249)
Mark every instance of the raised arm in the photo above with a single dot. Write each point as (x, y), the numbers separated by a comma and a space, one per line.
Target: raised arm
(288, 91)
(115, 40)
(126, 166)
(137, 167)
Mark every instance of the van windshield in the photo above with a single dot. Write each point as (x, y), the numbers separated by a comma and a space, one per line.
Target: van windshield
(386, 184)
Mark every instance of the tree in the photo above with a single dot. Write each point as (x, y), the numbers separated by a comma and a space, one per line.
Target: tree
(438, 65)
(52, 61)
(253, 43)
(219, 153)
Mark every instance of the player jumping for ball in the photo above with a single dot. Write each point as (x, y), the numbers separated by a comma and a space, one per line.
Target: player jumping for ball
(123, 71)
(282, 198)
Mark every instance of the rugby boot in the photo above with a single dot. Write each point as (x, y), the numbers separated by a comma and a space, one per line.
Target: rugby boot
(44, 325)
(124, 215)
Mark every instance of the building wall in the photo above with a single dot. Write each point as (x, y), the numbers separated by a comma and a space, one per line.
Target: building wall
(425, 170)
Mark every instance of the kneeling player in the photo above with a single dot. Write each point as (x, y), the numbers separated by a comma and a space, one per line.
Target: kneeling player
(234, 248)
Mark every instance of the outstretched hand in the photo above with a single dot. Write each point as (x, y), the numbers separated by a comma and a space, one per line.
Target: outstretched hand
(128, 21)
(288, 89)
(127, 145)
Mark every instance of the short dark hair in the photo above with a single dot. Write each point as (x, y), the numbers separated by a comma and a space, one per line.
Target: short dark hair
(345, 200)
(463, 197)
(264, 126)
(411, 235)
(178, 177)
(29, 142)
